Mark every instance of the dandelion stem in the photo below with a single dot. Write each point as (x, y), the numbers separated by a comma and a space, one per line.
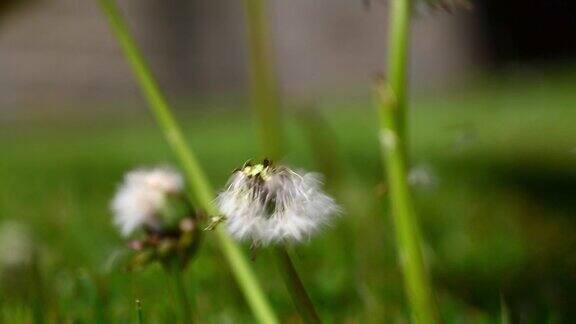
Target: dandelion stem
(201, 191)
(180, 294)
(391, 100)
(267, 111)
(39, 298)
(139, 315)
(297, 291)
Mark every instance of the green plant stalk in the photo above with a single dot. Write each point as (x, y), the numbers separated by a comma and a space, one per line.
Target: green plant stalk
(504, 312)
(139, 315)
(264, 91)
(39, 296)
(179, 292)
(298, 293)
(266, 105)
(408, 239)
(391, 100)
(398, 43)
(200, 189)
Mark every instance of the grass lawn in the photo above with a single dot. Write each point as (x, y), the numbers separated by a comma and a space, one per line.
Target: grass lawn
(494, 177)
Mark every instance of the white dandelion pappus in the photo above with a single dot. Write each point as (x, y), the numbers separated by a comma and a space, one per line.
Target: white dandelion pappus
(16, 245)
(141, 196)
(274, 204)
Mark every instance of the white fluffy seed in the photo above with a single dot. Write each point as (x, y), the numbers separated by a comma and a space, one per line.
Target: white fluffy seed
(275, 205)
(141, 195)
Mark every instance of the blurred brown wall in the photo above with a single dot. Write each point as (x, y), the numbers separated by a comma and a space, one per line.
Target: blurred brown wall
(58, 50)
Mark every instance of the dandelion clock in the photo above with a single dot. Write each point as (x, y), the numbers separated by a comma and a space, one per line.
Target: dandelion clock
(269, 204)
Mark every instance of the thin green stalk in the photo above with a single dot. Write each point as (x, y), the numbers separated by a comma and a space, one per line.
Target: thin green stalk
(267, 112)
(297, 291)
(201, 191)
(408, 239)
(39, 298)
(179, 292)
(139, 315)
(398, 42)
(264, 89)
(504, 312)
(391, 99)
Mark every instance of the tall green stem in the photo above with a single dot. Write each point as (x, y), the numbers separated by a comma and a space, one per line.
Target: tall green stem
(267, 111)
(201, 191)
(398, 43)
(391, 99)
(264, 89)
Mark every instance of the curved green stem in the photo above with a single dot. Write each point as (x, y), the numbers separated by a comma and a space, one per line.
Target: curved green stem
(200, 189)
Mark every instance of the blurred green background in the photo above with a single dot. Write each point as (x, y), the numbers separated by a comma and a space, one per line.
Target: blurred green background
(493, 154)
(493, 173)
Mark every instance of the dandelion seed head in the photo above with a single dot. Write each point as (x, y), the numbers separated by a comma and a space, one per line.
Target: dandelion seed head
(140, 197)
(268, 204)
(16, 246)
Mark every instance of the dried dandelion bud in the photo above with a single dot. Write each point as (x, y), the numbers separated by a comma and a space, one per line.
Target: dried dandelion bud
(269, 204)
(153, 200)
(150, 199)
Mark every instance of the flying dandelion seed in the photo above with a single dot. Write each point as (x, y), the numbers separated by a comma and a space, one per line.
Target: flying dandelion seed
(269, 204)
(142, 196)
(422, 177)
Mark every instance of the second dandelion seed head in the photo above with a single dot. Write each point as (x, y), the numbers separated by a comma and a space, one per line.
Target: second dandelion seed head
(143, 197)
(151, 202)
(269, 204)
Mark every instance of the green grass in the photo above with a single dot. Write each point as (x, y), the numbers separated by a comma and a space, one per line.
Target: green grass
(498, 219)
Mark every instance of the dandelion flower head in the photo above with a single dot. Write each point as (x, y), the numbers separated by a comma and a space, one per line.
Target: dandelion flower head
(270, 204)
